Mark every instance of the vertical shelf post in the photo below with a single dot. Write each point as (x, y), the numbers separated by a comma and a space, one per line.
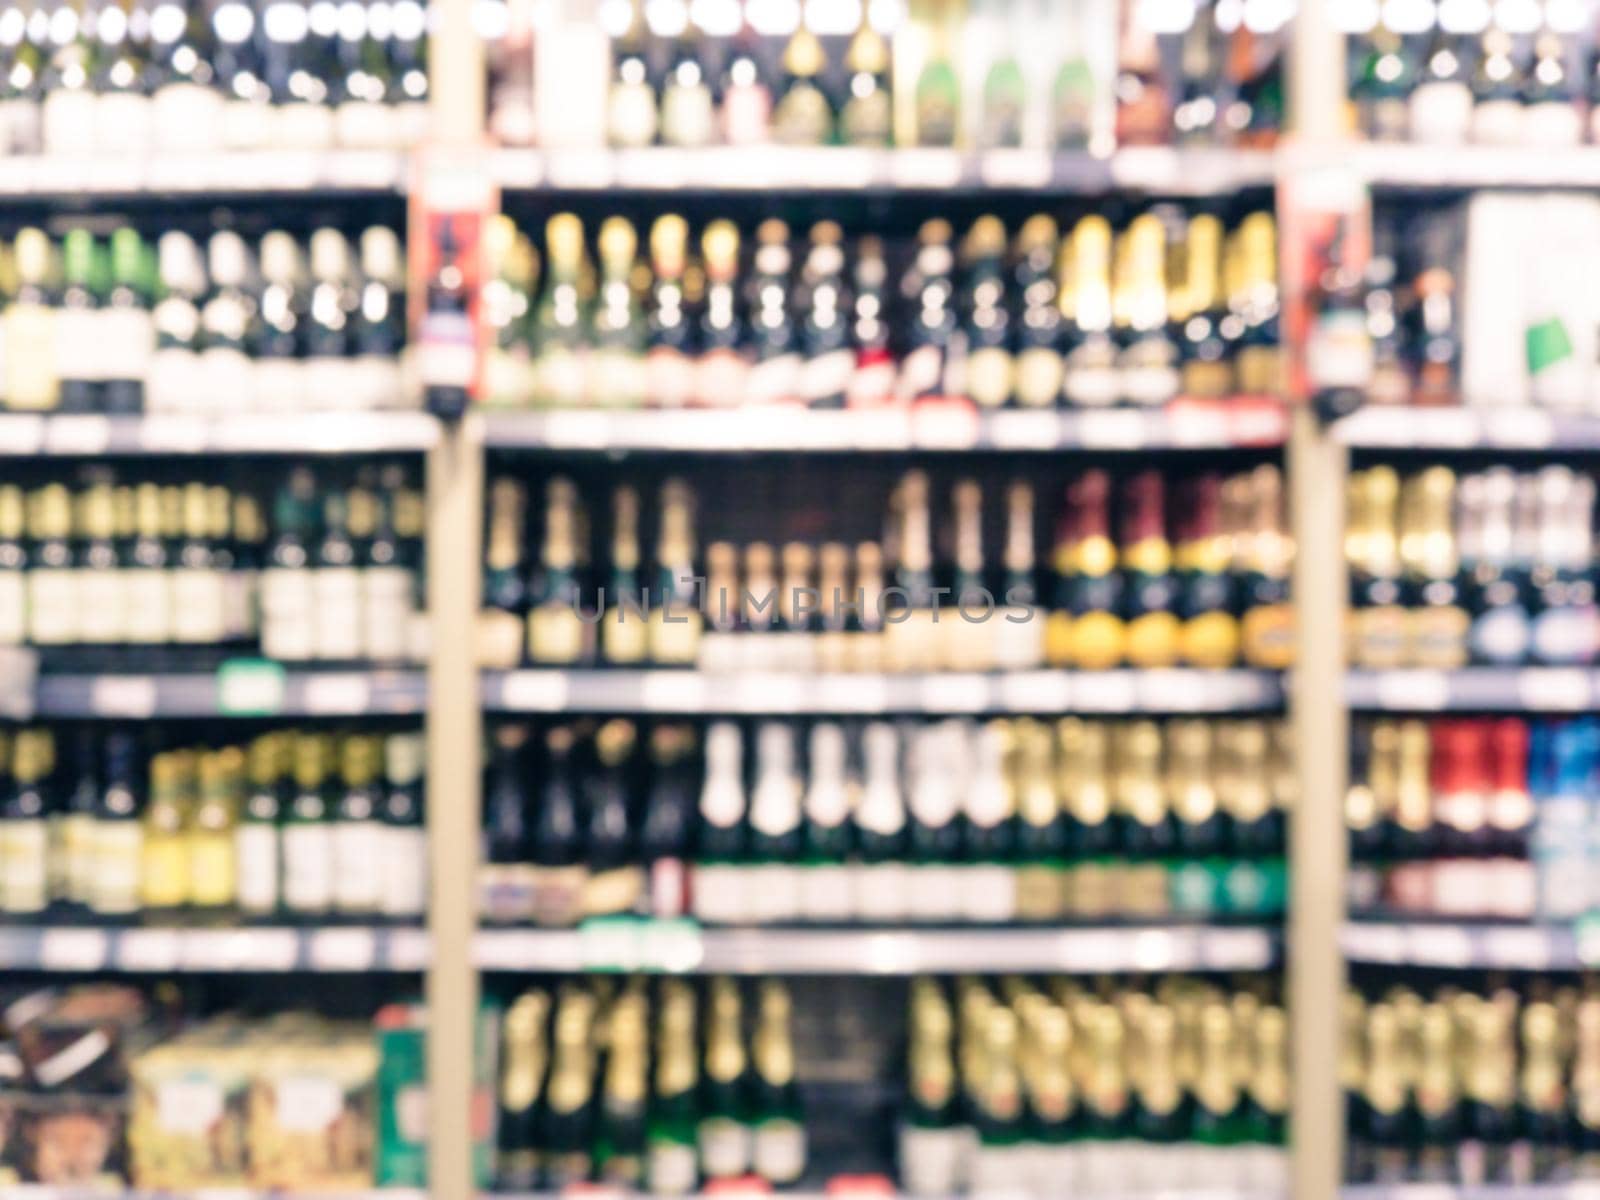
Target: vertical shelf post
(1317, 466)
(455, 498)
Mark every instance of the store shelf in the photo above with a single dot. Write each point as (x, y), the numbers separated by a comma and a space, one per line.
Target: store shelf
(76, 435)
(244, 688)
(682, 946)
(217, 173)
(1576, 1190)
(1513, 428)
(154, 950)
(1455, 168)
(835, 169)
(1464, 944)
(98, 1191)
(680, 691)
(1184, 426)
(1475, 689)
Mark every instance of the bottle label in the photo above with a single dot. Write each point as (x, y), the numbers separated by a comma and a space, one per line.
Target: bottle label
(674, 641)
(557, 894)
(773, 892)
(724, 1146)
(1039, 376)
(937, 893)
(24, 851)
(357, 860)
(826, 893)
(882, 891)
(172, 385)
(188, 116)
(1039, 892)
(1090, 378)
(30, 367)
(505, 893)
(164, 872)
(1564, 635)
(147, 617)
(246, 124)
(53, 606)
(363, 124)
(1500, 635)
(556, 634)
(303, 126)
(13, 608)
(69, 117)
(101, 594)
(932, 1160)
(1441, 113)
(279, 384)
(616, 377)
(773, 380)
(1439, 636)
(922, 373)
(256, 856)
(336, 623)
(669, 378)
(687, 116)
(988, 893)
(720, 378)
(127, 339)
(211, 870)
(825, 378)
(386, 604)
(669, 883)
(198, 606)
(307, 867)
(873, 384)
(719, 894)
(989, 376)
(80, 354)
(78, 848)
(625, 636)
(117, 856)
(404, 869)
(561, 376)
(779, 1150)
(613, 892)
(672, 1168)
(631, 115)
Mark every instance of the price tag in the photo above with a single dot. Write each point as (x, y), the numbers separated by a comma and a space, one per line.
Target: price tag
(132, 696)
(1113, 429)
(1193, 425)
(764, 693)
(1438, 946)
(533, 691)
(1549, 690)
(851, 693)
(86, 435)
(672, 946)
(1021, 429)
(664, 169)
(1413, 691)
(1015, 168)
(21, 434)
(1103, 691)
(1523, 949)
(250, 687)
(1453, 427)
(173, 434)
(1153, 168)
(880, 429)
(610, 944)
(1090, 951)
(572, 430)
(1258, 424)
(1373, 943)
(147, 950)
(507, 950)
(944, 427)
(953, 693)
(343, 694)
(673, 691)
(517, 168)
(73, 949)
(1160, 950)
(581, 169)
(925, 168)
(1042, 692)
(845, 168)
(343, 950)
(366, 170)
(409, 950)
(1235, 949)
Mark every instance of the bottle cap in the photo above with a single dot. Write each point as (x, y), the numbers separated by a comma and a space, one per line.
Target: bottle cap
(380, 254)
(228, 259)
(1508, 753)
(280, 257)
(179, 261)
(330, 254)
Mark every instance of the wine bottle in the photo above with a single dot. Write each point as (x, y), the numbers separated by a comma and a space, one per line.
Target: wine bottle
(247, 96)
(403, 863)
(78, 366)
(1041, 831)
(21, 105)
(569, 1111)
(556, 632)
(671, 1151)
(507, 878)
(559, 317)
(631, 109)
(1497, 86)
(1437, 623)
(1441, 103)
(774, 375)
(986, 322)
(620, 1127)
(359, 89)
(722, 643)
(803, 115)
(560, 874)
(688, 112)
(213, 872)
(308, 834)
(775, 838)
(720, 872)
(1039, 365)
(522, 1084)
(507, 303)
(617, 339)
(175, 381)
(377, 337)
(937, 100)
(675, 622)
(723, 1133)
(778, 1142)
(1091, 377)
(1378, 634)
(54, 618)
(929, 289)
(1258, 362)
(1149, 831)
(187, 104)
(1550, 114)
(615, 882)
(867, 117)
(796, 640)
(873, 383)
(665, 839)
(101, 599)
(25, 813)
(723, 366)
(882, 883)
(827, 359)
(197, 583)
(225, 320)
(164, 863)
(1209, 635)
(939, 763)
(125, 332)
(13, 566)
(116, 847)
(669, 372)
(358, 835)
(505, 590)
(1084, 627)
(31, 382)
(1146, 560)
(67, 113)
(1267, 631)
(258, 849)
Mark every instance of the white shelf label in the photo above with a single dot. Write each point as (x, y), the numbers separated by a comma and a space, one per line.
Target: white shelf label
(147, 950)
(73, 949)
(925, 168)
(953, 693)
(575, 430)
(1015, 168)
(943, 427)
(171, 434)
(582, 169)
(763, 693)
(21, 434)
(610, 944)
(1020, 429)
(1235, 949)
(1559, 690)
(1374, 943)
(338, 694)
(534, 691)
(852, 693)
(77, 435)
(131, 696)
(1439, 946)
(343, 950)
(1175, 691)
(1104, 691)
(673, 691)
(1160, 950)
(1420, 691)
(1528, 949)
(1525, 428)
(1198, 427)
(409, 950)
(1045, 692)
(1113, 429)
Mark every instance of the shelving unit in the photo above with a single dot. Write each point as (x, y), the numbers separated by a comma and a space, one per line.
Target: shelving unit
(151, 949)
(172, 434)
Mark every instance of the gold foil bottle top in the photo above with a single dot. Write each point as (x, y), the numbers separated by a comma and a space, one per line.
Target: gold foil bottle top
(1038, 232)
(499, 238)
(618, 244)
(669, 245)
(936, 232)
(563, 235)
(772, 232)
(719, 245)
(266, 759)
(615, 741)
(32, 254)
(826, 233)
(868, 53)
(986, 238)
(308, 760)
(358, 761)
(625, 528)
(804, 57)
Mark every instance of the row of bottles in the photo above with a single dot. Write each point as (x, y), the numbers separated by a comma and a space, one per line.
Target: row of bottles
(1056, 1088)
(1201, 580)
(610, 1084)
(945, 821)
(1441, 814)
(331, 575)
(1494, 567)
(1174, 304)
(293, 825)
(1472, 1087)
(125, 324)
(124, 78)
(1497, 86)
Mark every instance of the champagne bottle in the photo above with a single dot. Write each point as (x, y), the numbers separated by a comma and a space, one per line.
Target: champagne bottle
(672, 1126)
(505, 593)
(116, 851)
(1258, 362)
(873, 384)
(175, 380)
(1041, 828)
(774, 375)
(688, 116)
(308, 834)
(13, 566)
(616, 362)
(506, 877)
(1209, 635)
(966, 637)
(560, 875)
(723, 1133)
(615, 882)
(258, 845)
(1091, 378)
(867, 117)
(225, 319)
(826, 358)
(1437, 623)
(31, 383)
(1084, 628)
(569, 1109)
(804, 113)
(556, 632)
(723, 366)
(631, 108)
(937, 765)
(988, 842)
(508, 292)
(559, 316)
(620, 1127)
(1149, 831)
(25, 814)
(720, 874)
(675, 623)
(1039, 367)
(1501, 626)
(1147, 362)
(1441, 104)
(1372, 552)
(775, 837)
(1153, 630)
(78, 348)
(103, 615)
(826, 837)
(665, 839)
(669, 373)
(999, 1118)
(990, 369)
(880, 877)
(778, 1141)
(1388, 75)
(1267, 632)
(54, 617)
(929, 289)
(624, 634)
(164, 867)
(522, 1089)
